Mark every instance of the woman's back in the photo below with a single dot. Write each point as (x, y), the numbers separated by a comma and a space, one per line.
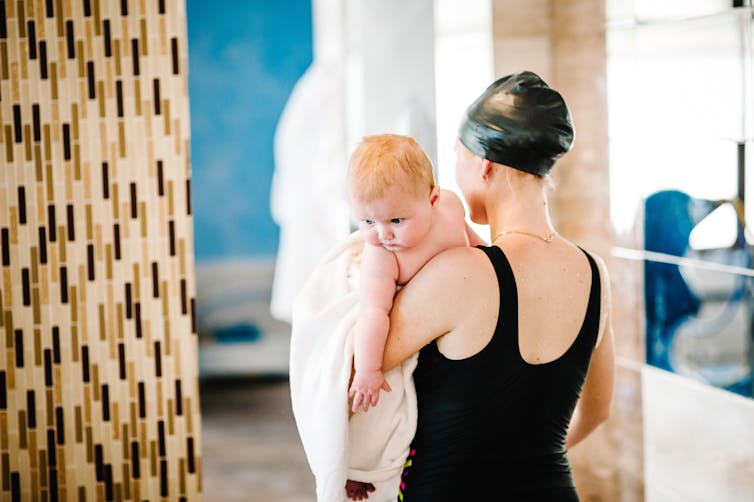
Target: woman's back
(500, 412)
(508, 373)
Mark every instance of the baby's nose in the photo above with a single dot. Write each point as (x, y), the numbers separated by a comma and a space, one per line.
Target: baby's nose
(386, 234)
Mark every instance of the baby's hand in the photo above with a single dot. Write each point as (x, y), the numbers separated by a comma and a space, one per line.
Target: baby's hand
(365, 389)
(357, 490)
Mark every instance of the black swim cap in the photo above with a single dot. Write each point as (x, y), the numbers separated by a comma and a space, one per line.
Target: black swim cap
(519, 121)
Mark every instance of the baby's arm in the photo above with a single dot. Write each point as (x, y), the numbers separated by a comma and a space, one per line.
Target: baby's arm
(379, 273)
(459, 211)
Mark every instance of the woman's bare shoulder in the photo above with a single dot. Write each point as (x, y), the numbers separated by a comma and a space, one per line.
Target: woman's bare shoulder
(436, 301)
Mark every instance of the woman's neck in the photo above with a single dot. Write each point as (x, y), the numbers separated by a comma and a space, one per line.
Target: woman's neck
(524, 209)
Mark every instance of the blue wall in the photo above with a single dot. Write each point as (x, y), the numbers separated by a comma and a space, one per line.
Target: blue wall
(244, 59)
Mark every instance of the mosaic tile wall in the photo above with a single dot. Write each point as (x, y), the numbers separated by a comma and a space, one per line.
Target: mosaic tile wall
(98, 372)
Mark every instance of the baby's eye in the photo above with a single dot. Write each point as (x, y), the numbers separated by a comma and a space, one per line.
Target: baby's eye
(368, 222)
(396, 221)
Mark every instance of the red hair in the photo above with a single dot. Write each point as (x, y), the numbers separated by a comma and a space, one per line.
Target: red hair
(381, 161)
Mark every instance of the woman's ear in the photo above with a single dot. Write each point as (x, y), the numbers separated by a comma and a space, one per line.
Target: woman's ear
(434, 195)
(486, 169)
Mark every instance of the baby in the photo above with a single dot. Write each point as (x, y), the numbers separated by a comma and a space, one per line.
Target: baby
(405, 220)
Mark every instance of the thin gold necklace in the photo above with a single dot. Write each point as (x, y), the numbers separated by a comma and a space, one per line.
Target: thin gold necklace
(547, 238)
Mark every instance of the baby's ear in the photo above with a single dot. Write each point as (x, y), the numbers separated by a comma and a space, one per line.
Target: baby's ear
(434, 195)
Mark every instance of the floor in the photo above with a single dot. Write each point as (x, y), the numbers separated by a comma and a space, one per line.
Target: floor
(252, 453)
(251, 450)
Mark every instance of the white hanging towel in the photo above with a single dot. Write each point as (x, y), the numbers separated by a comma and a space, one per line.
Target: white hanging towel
(307, 197)
(372, 446)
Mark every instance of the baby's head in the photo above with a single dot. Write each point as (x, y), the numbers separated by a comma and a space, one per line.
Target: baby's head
(385, 161)
(391, 190)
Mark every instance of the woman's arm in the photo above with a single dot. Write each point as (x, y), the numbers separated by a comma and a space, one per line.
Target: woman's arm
(595, 402)
(437, 301)
(596, 399)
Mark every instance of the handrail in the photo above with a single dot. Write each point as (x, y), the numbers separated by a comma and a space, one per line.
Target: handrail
(644, 255)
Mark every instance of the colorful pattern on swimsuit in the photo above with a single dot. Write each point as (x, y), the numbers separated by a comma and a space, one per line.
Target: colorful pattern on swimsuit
(404, 475)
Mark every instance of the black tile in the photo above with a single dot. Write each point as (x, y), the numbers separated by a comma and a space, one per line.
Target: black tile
(5, 240)
(122, 360)
(60, 425)
(105, 181)
(85, 363)
(48, 367)
(134, 201)
(135, 470)
(157, 359)
(107, 38)
(178, 398)
(119, 97)
(66, 141)
(42, 232)
(25, 286)
(105, 402)
(137, 319)
(155, 281)
(161, 438)
(135, 55)
(31, 34)
(70, 39)
(174, 52)
(116, 239)
(160, 179)
(52, 223)
(156, 91)
(69, 223)
(63, 285)
(43, 59)
(21, 205)
(142, 401)
(36, 122)
(90, 261)
(31, 410)
(3, 391)
(91, 79)
(3, 21)
(19, 346)
(17, 127)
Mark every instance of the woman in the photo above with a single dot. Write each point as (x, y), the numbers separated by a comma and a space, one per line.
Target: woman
(512, 338)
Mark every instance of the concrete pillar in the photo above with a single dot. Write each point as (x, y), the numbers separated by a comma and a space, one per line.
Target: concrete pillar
(390, 71)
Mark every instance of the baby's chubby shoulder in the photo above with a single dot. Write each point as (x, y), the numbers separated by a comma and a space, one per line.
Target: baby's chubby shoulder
(458, 261)
(451, 212)
(450, 200)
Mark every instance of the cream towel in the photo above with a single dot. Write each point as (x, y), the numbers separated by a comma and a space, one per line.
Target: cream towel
(372, 446)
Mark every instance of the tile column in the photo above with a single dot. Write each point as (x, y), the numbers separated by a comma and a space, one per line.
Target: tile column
(98, 372)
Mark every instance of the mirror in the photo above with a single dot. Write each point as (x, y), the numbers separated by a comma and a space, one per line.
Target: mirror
(680, 94)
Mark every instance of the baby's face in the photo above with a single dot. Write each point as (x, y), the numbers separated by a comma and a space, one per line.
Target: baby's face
(399, 220)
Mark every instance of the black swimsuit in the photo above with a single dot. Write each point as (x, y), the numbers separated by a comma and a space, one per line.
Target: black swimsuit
(492, 426)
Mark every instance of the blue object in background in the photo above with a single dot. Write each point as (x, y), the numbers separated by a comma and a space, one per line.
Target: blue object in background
(244, 59)
(670, 304)
(669, 218)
